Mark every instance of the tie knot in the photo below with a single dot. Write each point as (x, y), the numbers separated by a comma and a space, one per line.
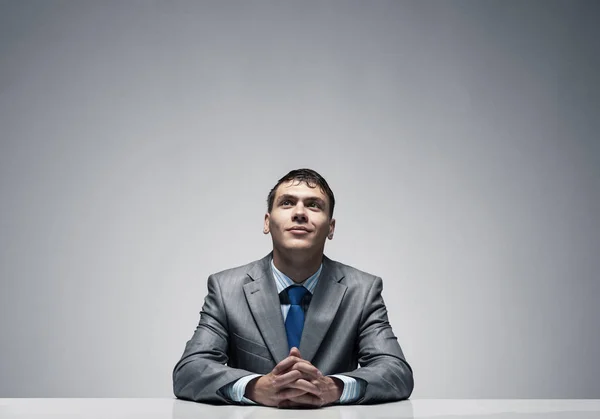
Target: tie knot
(296, 293)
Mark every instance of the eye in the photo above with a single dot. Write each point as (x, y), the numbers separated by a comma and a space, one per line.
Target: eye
(314, 205)
(286, 203)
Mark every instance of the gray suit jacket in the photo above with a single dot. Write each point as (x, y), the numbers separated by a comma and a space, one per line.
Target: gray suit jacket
(241, 331)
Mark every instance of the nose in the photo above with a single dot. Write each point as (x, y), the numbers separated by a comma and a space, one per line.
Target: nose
(299, 213)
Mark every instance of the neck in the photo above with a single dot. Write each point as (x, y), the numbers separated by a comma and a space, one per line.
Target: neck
(297, 266)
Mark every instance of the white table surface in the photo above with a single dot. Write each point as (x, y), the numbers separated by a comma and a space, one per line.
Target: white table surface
(178, 409)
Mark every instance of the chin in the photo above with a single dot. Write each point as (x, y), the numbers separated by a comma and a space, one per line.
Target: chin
(298, 245)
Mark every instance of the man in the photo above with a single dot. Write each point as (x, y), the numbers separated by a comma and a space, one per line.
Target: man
(290, 330)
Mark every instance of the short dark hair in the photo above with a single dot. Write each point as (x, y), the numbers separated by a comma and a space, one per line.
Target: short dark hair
(311, 178)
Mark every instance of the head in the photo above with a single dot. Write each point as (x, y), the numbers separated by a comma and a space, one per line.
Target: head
(300, 212)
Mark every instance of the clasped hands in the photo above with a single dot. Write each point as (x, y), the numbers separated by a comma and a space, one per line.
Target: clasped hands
(294, 382)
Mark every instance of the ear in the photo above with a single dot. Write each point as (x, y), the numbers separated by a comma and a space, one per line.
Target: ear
(266, 227)
(331, 229)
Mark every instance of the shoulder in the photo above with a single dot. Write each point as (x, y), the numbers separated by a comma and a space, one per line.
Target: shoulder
(243, 272)
(229, 283)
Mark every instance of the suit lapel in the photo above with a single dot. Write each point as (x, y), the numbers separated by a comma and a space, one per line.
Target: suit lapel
(323, 307)
(264, 304)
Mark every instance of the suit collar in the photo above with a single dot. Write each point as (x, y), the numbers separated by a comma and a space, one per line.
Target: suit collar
(324, 306)
(262, 268)
(263, 300)
(331, 270)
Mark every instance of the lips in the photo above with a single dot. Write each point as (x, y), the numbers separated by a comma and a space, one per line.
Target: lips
(298, 229)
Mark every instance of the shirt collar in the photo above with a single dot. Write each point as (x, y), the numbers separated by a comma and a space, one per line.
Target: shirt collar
(282, 281)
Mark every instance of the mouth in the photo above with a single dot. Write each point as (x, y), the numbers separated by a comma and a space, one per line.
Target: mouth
(298, 230)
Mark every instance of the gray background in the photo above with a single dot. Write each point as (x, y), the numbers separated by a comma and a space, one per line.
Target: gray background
(139, 140)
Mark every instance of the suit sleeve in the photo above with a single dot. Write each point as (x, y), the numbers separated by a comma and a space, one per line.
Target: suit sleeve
(201, 372)
(387, 375)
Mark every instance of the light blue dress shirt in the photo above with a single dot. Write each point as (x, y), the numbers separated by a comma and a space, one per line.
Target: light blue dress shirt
(352, 387)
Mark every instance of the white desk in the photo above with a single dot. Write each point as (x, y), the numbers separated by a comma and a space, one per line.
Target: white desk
(178, 409)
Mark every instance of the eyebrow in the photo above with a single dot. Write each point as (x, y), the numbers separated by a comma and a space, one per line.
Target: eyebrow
(295, 198)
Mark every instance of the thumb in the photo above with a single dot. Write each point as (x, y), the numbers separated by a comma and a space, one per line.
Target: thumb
(295, 352)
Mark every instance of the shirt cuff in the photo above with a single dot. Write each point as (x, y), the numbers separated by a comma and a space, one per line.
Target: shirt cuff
(353, 389)
(235, 391)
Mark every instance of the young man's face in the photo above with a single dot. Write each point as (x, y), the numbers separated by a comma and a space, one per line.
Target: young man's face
(299, 218)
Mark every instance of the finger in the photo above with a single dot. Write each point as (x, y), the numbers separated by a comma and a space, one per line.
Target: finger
(286, 364)
(287, 378)
(295, 352)
(285, 404)
(307, 400)
(308, 369)
(306, 386)
(288, 404)
(288, 393)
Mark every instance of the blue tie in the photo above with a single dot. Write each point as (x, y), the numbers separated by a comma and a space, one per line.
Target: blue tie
(294, 322)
